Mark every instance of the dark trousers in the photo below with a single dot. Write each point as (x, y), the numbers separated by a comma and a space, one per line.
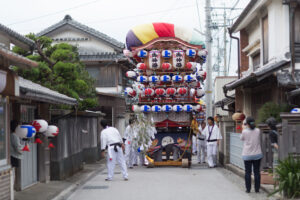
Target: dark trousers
(256, 171)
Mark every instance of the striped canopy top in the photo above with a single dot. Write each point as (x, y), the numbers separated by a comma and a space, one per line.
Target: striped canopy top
(142, 34)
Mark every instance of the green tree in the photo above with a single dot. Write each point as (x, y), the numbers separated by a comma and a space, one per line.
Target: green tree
(59, 69)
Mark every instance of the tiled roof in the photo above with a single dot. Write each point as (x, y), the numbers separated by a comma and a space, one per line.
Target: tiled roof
(17, 36)
(102, 56)
(16, 59)
(69, 21)
(29, 89)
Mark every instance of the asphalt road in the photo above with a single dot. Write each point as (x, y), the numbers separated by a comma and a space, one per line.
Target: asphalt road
(167, 183)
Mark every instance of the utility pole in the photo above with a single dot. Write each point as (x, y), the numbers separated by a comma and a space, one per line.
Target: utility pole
(208, 38)
(225, 46)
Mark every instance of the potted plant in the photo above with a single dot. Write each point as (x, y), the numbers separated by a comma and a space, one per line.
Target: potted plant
(287, 175)
(266, 177)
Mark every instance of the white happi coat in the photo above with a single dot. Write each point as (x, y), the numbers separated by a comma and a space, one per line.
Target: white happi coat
(201, 146)
(109, 136)
(130, 136)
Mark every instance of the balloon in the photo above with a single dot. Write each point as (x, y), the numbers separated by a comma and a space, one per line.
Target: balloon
(177, 108)
(142, 79)
(135, 108)
(52, 131)
(40, 125)
(165, 78)
(142, 54)
(131, 74)
(177, 78)
(182, 91)
(171, 91)
(160, 91)
(191, 53)
(149, 92)
(166, 53)
(141, 66)
(25, 131)
(145, 108)
(156, 108)
(167, 108)
(188, 108)
(166, 66)
(153, 79)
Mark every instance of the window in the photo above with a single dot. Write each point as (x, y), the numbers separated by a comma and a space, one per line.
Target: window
(265, 33)
(27, 113)
(3, 132)
(256, 61)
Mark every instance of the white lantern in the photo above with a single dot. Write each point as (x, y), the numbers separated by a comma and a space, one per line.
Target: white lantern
(52, 131)
(167, 108)
(166, 53)
(189, 78)
(177, 108)
(145, 108)
(197, 108)
(177, 78)
(25, 131)
(142, 79)
(142, 54)
(153, 79)
(192, 92)
(199, 92)
(188, 108)
(191, 53)
(131, 74)
(178, 59)
(40, 125)
(156, 108)
(154, 59)
(165, 78)
(295, 110)
(135, 108)
(191, 66)
(202, 52)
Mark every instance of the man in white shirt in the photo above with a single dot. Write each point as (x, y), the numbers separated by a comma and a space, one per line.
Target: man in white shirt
(201, 144)
(130, 137)
(213, 136)
(112, 140)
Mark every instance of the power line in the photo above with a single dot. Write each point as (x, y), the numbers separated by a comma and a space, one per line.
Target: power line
(198, 15)
(54, 13)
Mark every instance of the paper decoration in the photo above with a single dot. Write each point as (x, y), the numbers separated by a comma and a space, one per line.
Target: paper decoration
(178, 59)
(154, 59)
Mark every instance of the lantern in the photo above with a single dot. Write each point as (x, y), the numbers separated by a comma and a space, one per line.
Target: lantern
(238, 116)
(199, 92)
(177, 108)
(202, 74)
(142, 79)
(166, 54)
(141, 66)
(130, 92)
(181, 91)
(145, 108)
(188, 108)
(165, 78)
(160, 91)
(202, 52)
(189, 78)
(25, 131)
(191, 66)
(171, 91)
(198, 108)
(167, 108)
(131, 74)
(40, 125)
(178, 59)
(166, 66)
(295, 110)
(191, 53)
(192, 92)
(154, 59)
(135, 108)
(142, 54)
(149, 92)
(177, 78)
(52, 131)
(156, 108)
(153, 79)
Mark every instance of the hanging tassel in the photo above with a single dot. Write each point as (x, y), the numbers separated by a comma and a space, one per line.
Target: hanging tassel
(38, 141)
(51, 145)
(26, 148)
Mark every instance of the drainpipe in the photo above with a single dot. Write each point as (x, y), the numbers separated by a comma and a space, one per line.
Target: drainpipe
(238, 48)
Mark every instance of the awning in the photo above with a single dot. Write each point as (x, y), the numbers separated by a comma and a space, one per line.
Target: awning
(34, 91)
(256, 76)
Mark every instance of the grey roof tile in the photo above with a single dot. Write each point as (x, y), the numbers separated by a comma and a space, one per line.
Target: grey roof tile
(101, 56)
(68, 20)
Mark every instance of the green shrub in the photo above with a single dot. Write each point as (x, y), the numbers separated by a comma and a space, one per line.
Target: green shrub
(288, 178)
(271, 109)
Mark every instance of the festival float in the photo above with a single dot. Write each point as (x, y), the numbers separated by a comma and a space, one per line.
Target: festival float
(168, 87)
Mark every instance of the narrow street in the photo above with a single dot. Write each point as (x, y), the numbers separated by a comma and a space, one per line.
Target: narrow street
(167, 183)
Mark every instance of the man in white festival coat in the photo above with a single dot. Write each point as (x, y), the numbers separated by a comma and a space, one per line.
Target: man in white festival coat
(112, 141)
(213, 136)
(130, 137)
(201, 144)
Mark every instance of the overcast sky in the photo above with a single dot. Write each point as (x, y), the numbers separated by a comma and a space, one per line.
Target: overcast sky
(114, 17)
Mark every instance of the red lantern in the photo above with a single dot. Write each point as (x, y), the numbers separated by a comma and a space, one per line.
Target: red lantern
(182, 91)
(171, 91)
(149, 92)
(166, 66)
(142, 66)
(160, 91)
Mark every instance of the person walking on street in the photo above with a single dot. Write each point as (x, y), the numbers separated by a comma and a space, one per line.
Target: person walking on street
(130, 137)
(213, 136)
(112, 141)
(201, 144)
(252, 153)
(195, 131)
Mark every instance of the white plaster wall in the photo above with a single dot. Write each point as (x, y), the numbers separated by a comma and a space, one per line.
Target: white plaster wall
(254, 33)
(278, 16)
(92, 44)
